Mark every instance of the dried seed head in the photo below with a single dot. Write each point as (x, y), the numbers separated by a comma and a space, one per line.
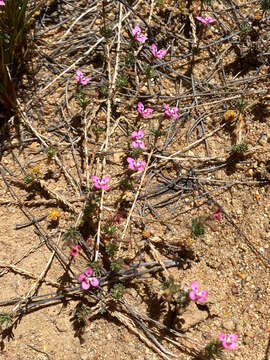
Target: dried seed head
(229, 115)
(146, 234)
(36, 169)
(54, 214)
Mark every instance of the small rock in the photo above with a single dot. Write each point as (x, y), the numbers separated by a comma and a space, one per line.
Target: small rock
(191, 316)
(238, 329)
(117, 156)
(206, 335)
(247, 340)
(263, 139)
(228, 325)
(235, 290)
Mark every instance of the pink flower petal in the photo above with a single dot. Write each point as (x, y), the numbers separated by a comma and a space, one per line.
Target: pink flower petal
(202, 296)
(154, 50)
(222, 337)
(81, 277)
(79, 73)
(194, 286)
(117, 218)
(141, 38)
(88, 272)
(136, 31)
(95, 178)
(85, 80)
(94, 281)
(218, 217)
(140, 106)
(209, 19)
(161, 53)
(201, 19)
(140, 133)
(135, 144)
(75, 249)
(142, 145)
(105, 179)
(232, 337)
(232, 346)
(148, 111)
(192, 295)
(134, 134)
(130, 160)
(85, 285)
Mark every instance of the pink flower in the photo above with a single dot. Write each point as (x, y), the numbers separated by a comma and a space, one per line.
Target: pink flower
(117, 218)
(136, 165)
(2, 3)
(144, 112)
(75, 249)
(171, 111)
(207, 20)
(195, 294)
(160, 53)
(136, 33)
(101, 183)
(94, 281)
(229, 341)
(87, 280)
(217, 214)
(81, 79)
(137, 142)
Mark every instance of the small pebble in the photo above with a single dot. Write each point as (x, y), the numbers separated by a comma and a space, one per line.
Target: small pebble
(228, 325)
(206, 335)
(238, 329)
(235, 290)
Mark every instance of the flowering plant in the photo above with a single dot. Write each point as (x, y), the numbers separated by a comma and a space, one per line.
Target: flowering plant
(171, 111)
(195, 294)
(83, 80)
(136, 33)
(158, 53)
(205, 21)
(101, 183)
(228, 341)
(215, 347)
(144, 112)
(117, 218)
(218, 214)
(86, 279)
(136, 165)
(75, 249)
(137, 142)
